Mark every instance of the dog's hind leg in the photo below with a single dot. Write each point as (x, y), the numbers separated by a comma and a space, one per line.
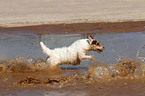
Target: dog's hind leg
(47, 58)
(77, 62)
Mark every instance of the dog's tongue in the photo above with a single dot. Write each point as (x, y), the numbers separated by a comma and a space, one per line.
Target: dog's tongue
(99, 51)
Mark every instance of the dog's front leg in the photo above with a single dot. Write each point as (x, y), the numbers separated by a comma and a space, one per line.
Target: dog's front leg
(87, 57)
(82, 55)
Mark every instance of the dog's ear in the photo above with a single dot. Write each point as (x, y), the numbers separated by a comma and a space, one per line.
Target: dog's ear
(90, 39)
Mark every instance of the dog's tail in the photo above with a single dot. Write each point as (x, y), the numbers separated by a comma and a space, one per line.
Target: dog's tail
(45, 49)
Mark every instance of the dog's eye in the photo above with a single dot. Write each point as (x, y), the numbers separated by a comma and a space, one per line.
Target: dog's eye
(98, 44)
(94, 42)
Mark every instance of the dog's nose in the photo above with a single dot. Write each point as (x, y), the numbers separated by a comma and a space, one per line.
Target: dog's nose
(103, 47)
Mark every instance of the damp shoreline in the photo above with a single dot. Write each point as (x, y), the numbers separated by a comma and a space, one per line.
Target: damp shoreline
(77, 28)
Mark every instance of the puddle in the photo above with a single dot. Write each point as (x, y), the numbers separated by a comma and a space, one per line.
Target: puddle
(22, 56)
(124, 45)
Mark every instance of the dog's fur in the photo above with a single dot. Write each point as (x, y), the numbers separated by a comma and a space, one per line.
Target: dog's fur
(72, 54)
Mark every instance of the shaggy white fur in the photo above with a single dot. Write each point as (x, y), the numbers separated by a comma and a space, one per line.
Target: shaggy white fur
(72, 54)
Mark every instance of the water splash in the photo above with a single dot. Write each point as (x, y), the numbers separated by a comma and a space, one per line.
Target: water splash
(19, 64)
(96, 69)
(138, 54)
(131, 68)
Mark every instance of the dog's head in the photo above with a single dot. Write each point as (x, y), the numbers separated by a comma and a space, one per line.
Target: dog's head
(95, 45)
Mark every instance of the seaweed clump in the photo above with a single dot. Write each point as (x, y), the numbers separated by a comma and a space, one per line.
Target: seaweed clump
(30, 80)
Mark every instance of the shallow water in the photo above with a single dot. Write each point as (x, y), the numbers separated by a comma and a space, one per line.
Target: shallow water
(29, 60)
(116, 44)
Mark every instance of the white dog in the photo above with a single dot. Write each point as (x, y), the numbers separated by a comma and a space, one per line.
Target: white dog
(72, 54)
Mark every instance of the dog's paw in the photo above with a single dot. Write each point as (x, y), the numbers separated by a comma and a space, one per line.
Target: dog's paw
(93, 58)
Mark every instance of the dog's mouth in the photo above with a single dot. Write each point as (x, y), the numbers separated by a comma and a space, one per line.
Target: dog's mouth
(99, 50)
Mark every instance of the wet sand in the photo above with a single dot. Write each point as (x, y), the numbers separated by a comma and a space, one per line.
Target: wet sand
(81, 28)
(76, 86)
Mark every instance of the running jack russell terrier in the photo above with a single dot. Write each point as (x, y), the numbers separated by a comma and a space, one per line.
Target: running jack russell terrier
(72, 54)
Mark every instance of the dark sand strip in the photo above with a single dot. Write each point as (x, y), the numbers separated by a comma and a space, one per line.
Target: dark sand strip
(99, 27)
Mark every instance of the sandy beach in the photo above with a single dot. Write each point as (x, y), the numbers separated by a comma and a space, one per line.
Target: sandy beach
(36, 12)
